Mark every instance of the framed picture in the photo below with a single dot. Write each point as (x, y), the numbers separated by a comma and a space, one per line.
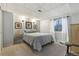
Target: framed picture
(34, 25)
(28, 25)
(18, 25)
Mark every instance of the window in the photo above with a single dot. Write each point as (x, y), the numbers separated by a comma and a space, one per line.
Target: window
(58, 24)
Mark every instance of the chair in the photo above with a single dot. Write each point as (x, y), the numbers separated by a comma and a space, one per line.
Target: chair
(68, 53)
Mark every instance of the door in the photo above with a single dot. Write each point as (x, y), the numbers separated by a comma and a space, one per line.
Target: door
(75, 36)
(7, 29)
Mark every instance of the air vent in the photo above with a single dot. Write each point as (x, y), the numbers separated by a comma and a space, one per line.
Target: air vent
(39, 10)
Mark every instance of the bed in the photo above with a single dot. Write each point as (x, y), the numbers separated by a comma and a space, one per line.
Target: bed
(37, 40)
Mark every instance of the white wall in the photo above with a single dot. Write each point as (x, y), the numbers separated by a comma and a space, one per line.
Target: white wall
(75, 19)
(17, 19)
(23, 20)
(45, 26)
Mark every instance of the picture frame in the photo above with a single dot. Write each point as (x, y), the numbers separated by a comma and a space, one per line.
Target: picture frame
(18, 25)
(34, 25)
(28, 25)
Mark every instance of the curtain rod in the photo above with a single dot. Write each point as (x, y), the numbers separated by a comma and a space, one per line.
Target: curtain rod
(61, 17)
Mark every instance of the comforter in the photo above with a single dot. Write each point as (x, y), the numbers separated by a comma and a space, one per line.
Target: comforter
(37, 40)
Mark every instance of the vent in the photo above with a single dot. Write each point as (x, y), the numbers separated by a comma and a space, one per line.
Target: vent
(39, 10)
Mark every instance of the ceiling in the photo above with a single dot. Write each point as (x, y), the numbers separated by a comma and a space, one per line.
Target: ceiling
(49, 10)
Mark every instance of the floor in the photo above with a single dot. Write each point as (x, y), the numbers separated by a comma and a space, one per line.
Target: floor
(23, 49)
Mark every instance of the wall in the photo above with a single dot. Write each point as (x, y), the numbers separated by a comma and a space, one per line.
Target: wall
(23, 20)
(31, 20)
(17, 31)
(75, 19)
(45, 26)
(17, 18)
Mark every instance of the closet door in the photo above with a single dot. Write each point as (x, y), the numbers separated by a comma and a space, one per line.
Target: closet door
(7, 29)
(75, 36)
(1, 30)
